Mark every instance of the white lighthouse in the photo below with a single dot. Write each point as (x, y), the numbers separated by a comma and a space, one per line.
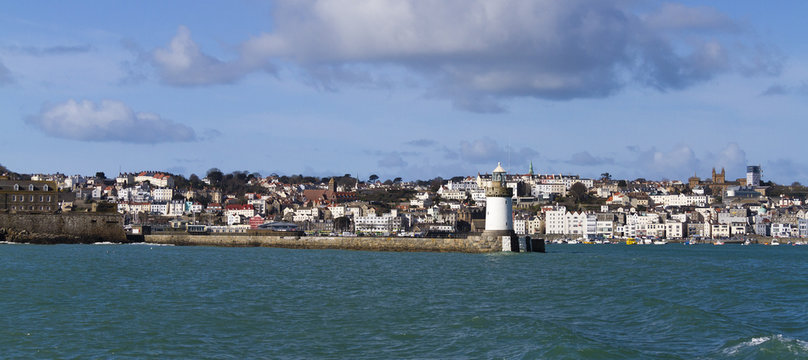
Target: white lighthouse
(499, 211)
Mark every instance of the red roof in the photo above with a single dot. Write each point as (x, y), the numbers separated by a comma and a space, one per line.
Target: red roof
(240, 207)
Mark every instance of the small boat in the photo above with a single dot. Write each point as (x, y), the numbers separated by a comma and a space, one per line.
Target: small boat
(775, 243)
(718, 242)
(660, 242)
(747, 242)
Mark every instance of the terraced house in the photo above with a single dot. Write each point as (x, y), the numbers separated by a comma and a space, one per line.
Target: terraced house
(28, 196)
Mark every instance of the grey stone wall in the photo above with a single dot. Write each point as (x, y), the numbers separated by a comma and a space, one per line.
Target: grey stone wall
(468, 245)
(62, 228)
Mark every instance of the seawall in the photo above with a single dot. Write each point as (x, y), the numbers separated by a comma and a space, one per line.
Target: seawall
(472, 244)
(64, 228)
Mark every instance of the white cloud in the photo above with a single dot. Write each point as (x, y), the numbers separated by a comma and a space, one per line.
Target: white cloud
(681, 162)
(478, 52)
(731, 157)
(183, 64)
(109, 120)
(487, 151)
(676, 163)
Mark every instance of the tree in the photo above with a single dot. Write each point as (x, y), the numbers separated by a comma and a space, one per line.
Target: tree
(621, 183)
(373, 177)
(100, 175)
(397, 180)
(215, 177)
(605, 176)
(435, 184)
(578, 192)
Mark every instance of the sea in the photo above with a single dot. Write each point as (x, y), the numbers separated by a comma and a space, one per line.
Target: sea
(139, 301)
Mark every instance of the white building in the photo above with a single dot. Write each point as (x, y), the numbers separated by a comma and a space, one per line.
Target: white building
(162, 194)
(674, 230)
(520, 226)
(387, 224)
(681, 200)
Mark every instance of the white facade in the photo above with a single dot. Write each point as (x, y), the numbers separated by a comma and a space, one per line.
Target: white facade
(386, 224)
(681, 200)
(674, 230)
(162, 194)
(520, 226)
(468, 183)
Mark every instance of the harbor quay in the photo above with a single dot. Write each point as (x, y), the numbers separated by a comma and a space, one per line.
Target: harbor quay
(471, 244)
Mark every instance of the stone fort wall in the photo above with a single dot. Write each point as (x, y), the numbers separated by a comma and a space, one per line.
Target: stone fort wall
(62, 228)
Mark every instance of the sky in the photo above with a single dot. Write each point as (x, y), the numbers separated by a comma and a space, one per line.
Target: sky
(411, 89)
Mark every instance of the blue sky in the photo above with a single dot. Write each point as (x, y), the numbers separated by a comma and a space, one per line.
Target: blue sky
(415, 89)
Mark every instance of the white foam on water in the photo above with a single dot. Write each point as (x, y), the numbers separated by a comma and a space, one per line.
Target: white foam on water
(750, 343)
(793, 345)
(150, 244)
(106, 243)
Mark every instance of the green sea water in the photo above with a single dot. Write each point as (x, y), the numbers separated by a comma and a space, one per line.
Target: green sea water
(574, 302)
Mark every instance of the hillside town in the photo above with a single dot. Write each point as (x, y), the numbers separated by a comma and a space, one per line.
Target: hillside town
(543, 204)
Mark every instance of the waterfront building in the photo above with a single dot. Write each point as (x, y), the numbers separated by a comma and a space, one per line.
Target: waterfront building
(387, 224)
(28, 196)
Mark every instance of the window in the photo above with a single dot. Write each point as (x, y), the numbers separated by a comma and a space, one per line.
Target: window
(41, 198)
(49, 198)
(32, 198)
(13, 197)
(31, 187)
(45, 187)
(16, 187)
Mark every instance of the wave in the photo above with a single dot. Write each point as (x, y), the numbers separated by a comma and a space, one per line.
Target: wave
(777, 345)
(106, 243)
(150, 244)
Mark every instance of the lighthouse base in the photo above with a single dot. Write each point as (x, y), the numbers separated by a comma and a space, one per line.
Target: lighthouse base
(508, 238)
(512, 242)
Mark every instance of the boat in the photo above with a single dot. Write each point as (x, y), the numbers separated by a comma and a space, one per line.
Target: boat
(631, 241)
(572, 242)
(747, 242)
(775, 243)
(660, 242)
(718, 242)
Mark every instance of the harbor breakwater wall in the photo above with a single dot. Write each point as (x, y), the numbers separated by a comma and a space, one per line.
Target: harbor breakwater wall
(63, 228)
(472, 244)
